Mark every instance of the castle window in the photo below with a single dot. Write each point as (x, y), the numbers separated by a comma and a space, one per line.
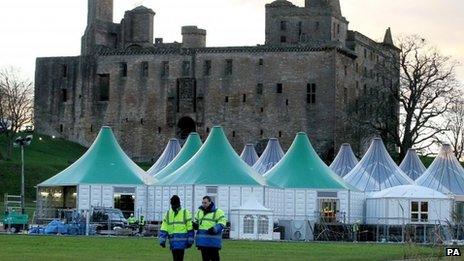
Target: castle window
(141, 121)
(104, 87)
(159, 129)
(226, 99)
(207, 68)
(244, 97)
(279, 88)
(123, 69)
(229, 67)
(311, 93)
(338, 29)
(259, 88)
(365, 53)
(91, 128)
(262, 109)
(261, 132)
(233, 134)
(283, 25)
(186, 68)
(346, 70)
(207, 130)
(64, 95)
(283, 39)
(300, 29)
(61, 128)
(64, 71)
(144, 69)
(365, 89)
(165, 69)
(286, 102)
(261, 61)
(280, 134)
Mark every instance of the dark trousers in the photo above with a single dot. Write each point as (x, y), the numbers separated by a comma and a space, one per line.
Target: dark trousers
(178, 255)
(210, 253)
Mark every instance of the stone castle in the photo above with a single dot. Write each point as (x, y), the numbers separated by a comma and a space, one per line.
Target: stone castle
(310, 70)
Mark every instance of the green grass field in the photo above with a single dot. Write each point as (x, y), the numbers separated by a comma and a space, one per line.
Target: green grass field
(18, 247)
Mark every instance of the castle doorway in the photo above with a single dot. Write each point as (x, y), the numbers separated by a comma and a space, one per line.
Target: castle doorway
(185, 126)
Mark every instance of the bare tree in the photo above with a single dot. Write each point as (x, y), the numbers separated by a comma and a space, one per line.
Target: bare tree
(454, 134)
(405, 112)
(16, 104)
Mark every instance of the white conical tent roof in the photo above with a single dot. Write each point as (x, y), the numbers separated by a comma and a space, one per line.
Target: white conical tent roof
(345, 160)
(270, 157)
(377, 170)
(412, 165)
(445, 174)
(169, 153)
(249, 154)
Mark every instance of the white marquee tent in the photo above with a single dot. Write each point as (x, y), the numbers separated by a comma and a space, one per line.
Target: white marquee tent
(377, 170)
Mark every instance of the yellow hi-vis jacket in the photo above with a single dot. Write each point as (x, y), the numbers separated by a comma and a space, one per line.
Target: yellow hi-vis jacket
(178, 229)
(210, 226)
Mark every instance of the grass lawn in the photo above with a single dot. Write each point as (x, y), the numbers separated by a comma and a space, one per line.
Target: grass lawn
(19, 247)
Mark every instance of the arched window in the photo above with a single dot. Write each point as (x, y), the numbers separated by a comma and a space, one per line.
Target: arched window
(263, 225)
(248, 224)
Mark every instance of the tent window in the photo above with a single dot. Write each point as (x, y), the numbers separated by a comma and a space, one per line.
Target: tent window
(248, 224)
(212, 190)
(419, 211)
(263, 225)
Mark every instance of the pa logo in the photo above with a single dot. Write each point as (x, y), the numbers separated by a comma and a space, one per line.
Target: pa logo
(453, 251)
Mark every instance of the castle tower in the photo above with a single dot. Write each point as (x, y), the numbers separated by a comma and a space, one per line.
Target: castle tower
(99, 10)
(317, 23)
(193, 37)
(331, 6)
(137, 26)
(100, 31)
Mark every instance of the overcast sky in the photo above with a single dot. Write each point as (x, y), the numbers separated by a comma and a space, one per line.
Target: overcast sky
(42, 28)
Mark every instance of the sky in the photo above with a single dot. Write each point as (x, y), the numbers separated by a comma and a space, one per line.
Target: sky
(44, 28)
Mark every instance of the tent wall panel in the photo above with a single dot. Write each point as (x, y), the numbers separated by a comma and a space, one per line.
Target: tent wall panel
(140, 206)
(83, 202)
(235, 194)
(311, 206)
(151, 203)
(223, 198)
(95, 195)
(108, 196)
(158, 203)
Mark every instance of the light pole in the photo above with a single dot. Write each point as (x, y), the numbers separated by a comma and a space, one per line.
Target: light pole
(22, 142)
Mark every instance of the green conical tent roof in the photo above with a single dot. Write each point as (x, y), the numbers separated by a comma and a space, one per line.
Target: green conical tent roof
(301, 167)
(191, 146)
(103, 163)
(216, 163)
